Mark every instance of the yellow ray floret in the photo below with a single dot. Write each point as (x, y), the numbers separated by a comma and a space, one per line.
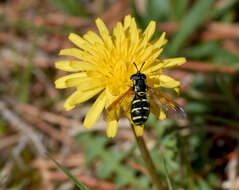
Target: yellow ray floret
(104, 64)
(95, 111)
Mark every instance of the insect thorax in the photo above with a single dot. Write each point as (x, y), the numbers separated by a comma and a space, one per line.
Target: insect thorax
(139, 85)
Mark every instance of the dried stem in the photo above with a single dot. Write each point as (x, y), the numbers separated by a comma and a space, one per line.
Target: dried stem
(148, 161)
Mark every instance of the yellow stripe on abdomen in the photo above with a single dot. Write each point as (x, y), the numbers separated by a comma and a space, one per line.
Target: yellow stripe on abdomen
(135, 101)
(135, 109)
(137, 117)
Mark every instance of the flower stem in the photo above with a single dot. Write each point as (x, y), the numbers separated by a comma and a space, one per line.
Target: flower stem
(148, 161)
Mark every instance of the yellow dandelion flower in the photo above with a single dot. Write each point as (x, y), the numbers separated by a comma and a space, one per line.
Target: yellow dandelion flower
(105, 65)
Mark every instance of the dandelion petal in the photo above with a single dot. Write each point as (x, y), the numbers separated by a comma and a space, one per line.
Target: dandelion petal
(149, 31)
(78, 97)
(95, 111)
(61, 82)
(72, 66)
(173, 62)
(112, 127)
(168, 82)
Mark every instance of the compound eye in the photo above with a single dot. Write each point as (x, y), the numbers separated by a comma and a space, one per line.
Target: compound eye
(134, 77)
(143, 76)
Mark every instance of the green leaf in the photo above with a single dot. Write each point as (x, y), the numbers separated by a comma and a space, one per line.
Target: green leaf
(125, 176)
(83, 137)
(76, 182)
(142, 183)
(189, 24)
(110, 162)
(202, 185)
(95, 147)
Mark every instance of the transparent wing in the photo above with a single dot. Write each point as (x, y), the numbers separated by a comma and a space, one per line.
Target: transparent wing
(121, 98)
(117, 103)
(172, 109)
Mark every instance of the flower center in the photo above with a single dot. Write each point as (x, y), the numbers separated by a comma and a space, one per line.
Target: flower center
(119, 78)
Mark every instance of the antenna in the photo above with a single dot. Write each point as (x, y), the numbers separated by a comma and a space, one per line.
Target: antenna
(136, 67)
(141, 66)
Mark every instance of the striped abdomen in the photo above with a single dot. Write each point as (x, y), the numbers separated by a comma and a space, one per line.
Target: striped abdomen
(139, 109)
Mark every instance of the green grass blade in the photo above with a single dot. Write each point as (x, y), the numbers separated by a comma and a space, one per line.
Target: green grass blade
(170, 185)
(178, 9)
(201, 50)
(225, 9)
(26, 77)
(19, 187)
(76, 182)
(25, 82)
(71, 7)
(2, 178)
(190, 23)
(226, 87)
(222, 120)
(158, 10)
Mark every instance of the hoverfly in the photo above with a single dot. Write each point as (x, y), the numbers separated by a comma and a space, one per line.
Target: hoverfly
(140, 105)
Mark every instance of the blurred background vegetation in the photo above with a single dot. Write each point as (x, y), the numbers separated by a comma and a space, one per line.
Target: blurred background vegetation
(198, 153)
